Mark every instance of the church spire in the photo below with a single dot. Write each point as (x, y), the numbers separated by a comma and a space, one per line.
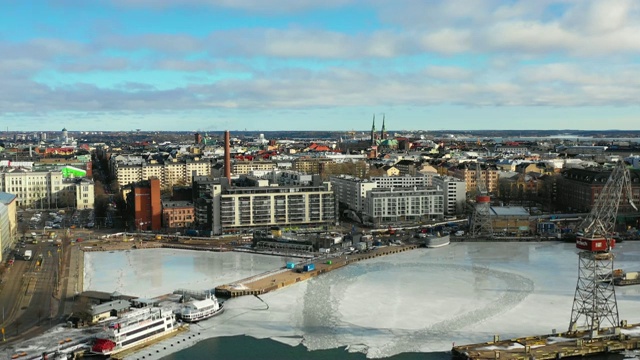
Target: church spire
(383, 132)
(373, 131)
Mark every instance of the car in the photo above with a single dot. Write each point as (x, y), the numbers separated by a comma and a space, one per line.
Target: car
(55, 226)
(79, 240)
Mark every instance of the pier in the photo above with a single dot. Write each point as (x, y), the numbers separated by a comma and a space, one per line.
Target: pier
(552, 346)
(277, 279)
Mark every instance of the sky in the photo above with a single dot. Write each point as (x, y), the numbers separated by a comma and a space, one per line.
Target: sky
(265, 65)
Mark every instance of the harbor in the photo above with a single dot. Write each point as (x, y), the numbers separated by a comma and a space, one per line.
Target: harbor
(552, 346)
(277, 279)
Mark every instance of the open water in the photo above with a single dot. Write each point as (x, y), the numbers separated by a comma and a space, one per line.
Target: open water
(245, 347)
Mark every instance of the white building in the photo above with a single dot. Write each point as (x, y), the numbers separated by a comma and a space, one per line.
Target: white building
(292, 206)
(351, 191)
(385, 206)
(454, 192)
(420, 180)
(46, 189)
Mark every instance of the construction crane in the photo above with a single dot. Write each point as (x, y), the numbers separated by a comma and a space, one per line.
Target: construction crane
(481, 218)
(595, 307)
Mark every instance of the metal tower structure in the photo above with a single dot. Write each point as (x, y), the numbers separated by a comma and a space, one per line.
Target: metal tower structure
(481, 219)
(595, 307)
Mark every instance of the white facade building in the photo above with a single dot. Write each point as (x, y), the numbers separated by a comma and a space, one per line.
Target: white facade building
(385, 206)
(420, 180)
(454, 192)
(47, 189)
(351, 191)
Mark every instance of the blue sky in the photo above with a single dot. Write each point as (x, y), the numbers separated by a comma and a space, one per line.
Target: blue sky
(319, 65)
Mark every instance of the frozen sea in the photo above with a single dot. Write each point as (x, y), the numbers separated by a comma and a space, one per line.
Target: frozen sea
(418, 301)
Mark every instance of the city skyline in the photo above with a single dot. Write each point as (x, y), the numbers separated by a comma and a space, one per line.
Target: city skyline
(304, 65)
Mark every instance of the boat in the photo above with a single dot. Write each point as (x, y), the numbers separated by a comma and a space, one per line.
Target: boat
(436, 241)
(198, 310)
(135, 328)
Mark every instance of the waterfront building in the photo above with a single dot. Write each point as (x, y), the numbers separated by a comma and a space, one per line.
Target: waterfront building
(578, 189)
(351, 191)
(392, 205)
(454, 193)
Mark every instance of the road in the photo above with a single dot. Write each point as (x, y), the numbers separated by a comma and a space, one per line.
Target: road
(29, 291)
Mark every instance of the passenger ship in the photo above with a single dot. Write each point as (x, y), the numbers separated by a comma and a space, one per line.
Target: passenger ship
(197, 310)
(134, 328)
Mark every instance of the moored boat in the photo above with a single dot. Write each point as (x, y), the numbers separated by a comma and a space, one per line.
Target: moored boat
(435, 241)
(198, 310)
(135, 328)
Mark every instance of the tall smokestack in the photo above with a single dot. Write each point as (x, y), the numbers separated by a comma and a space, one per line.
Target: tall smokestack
(227, 155)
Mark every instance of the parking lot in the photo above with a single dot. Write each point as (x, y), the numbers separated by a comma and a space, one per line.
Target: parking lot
(42, 220)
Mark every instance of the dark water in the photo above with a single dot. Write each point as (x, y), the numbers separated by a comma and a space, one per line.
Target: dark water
(246, 347)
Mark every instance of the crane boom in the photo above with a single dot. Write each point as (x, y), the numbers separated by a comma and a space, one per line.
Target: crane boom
(602, 219)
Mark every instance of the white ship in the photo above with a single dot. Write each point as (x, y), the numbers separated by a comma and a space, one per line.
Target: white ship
(197, 310)
(435, 240)
(134, 328)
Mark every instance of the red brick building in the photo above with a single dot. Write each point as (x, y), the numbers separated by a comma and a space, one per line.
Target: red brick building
(144, 199)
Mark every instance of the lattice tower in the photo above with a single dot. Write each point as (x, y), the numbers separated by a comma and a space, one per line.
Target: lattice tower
(594, 305)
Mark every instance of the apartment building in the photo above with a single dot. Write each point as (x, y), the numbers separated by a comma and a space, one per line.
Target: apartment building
(351, 191)
(384, 206)
(419, 180)
(246, 167)
(251, 207)
(171, 172)
(467, 172)
(454, 193)
(311, 165)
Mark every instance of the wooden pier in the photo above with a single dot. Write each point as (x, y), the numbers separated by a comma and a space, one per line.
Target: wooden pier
(552, 346)
(277, 279)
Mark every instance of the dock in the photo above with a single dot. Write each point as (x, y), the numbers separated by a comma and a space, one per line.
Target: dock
(277, 279)
(552, 346)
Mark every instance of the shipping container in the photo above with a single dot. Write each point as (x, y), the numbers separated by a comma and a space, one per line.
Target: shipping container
(323, 250)
(329, 262)
(291, 265)
(308, 267)
(594, 244)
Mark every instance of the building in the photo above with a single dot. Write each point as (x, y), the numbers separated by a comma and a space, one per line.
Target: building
(454, 193)
(311, 165)
(511, 221)
(146, 207)
(82, 190)
(177, 215)
(386, 206)
(351, 191)
(7, 234)
(421, 180)
(407, 167)
(132, 169)
(246, 167)
(244, 208)
(46, 189)
(578, 189)
(206, 200)
(467, 172)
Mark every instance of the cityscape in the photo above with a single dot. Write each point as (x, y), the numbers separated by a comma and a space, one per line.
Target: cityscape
(305, 198)
(339, 179)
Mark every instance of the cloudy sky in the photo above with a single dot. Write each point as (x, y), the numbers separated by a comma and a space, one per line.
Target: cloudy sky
(319, 64)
